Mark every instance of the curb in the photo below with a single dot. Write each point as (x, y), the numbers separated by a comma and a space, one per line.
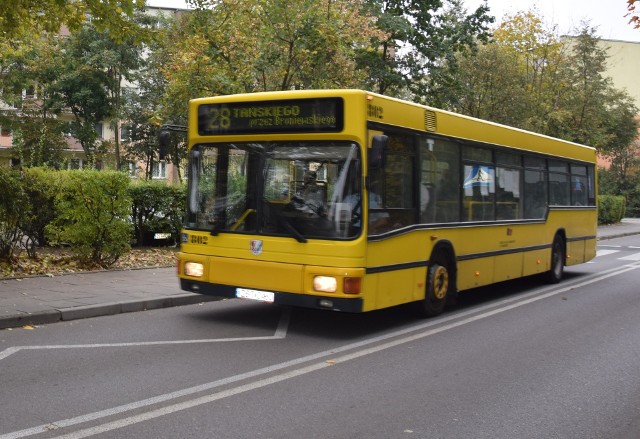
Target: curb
(105, 309)
(618, 235)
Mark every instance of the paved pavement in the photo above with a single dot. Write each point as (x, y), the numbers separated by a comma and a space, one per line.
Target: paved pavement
(40, 300)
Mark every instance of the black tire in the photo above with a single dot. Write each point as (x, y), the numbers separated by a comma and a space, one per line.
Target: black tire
(438, 288)
(556, 271)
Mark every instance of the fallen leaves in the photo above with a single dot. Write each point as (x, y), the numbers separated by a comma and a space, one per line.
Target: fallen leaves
(56, 261)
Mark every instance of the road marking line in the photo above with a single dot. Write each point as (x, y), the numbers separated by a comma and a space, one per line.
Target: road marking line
(456, 320)
(605, 252)
(280, 333)
(633, 257)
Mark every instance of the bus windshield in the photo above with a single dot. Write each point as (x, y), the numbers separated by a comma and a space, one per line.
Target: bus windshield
(303, 190)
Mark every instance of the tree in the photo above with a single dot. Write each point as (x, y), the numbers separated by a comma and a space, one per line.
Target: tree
(121, 59)
(152, 104)
(142, 107)
(95, 67)
(245, 46)
(28, 83)
(84, 84)
(513, 79)
(635, 19)
(527, 77)
(420, 35)
(21, 18)
(599, 114)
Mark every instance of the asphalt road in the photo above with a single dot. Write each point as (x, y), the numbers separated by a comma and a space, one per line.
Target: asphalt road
(516, 360)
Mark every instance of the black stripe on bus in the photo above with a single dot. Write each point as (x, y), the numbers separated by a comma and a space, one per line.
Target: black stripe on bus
(502, 252)
(396, 267)
(518, 250)
(581, 238)
(417, 264)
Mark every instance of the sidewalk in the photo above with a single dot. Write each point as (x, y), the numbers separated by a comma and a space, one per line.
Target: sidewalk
(41, 300)
(628, 226)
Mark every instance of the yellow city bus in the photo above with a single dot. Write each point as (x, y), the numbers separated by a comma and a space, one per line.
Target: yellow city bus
(353, 201)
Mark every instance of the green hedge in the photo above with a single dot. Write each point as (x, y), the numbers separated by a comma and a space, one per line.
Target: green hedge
(157, 208)
(611, 209)
(40, 187)
(92, 215)
(97, 213)
(14, 206)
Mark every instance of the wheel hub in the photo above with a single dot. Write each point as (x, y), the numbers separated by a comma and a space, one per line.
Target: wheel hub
(440, 283)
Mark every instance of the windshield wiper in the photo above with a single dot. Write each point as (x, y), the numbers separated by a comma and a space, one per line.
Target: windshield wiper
(285, 222)
(291, 229)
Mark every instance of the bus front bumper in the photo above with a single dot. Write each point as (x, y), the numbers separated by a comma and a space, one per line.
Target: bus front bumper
(277, 297)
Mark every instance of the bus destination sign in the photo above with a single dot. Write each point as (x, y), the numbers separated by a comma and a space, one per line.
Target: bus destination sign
(290, 116)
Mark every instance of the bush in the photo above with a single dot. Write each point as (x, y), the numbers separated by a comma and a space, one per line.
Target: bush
(14, 206)
(156, 208)
(611, 209)
(92, 215)
(40, 187)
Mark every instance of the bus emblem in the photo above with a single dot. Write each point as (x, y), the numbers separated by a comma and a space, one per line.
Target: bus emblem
(255, 246)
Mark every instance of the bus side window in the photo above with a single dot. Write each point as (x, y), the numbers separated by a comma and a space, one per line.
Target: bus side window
(579, 185)
(508, 194)
(439, 181)
(559, 184)
(535, 187)
(535, 194)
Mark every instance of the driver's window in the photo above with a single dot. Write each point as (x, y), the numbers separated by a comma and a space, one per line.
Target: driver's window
(278, 181)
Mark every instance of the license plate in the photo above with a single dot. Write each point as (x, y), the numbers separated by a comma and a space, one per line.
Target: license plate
(262, 296)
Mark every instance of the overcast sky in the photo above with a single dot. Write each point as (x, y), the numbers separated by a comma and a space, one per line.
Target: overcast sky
(607, 15)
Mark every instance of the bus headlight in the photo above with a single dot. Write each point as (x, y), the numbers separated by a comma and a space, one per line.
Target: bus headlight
(325, 284)
(194, 269)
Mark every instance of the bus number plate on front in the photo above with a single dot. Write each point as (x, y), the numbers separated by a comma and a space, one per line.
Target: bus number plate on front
(262, 296)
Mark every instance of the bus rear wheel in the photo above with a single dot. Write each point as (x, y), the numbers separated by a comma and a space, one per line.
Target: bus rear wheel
(556, 271)
(437, 291)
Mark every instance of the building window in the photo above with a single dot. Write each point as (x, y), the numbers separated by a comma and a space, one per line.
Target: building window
(125, 133)
(100, 130)
(133, 169)
(75, 164)
(159, 170)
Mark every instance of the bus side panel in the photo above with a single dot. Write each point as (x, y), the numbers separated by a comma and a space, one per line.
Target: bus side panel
(398, 287)
(507, 267)
(475, 273)
(575, 252)
(536, 262)
(580, 228)
(590, 249)
(395, 282)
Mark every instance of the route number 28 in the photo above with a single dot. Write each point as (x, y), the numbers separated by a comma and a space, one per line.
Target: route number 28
(219, 119)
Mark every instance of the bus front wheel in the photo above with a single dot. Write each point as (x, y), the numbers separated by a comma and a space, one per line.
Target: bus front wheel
(437, 290)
